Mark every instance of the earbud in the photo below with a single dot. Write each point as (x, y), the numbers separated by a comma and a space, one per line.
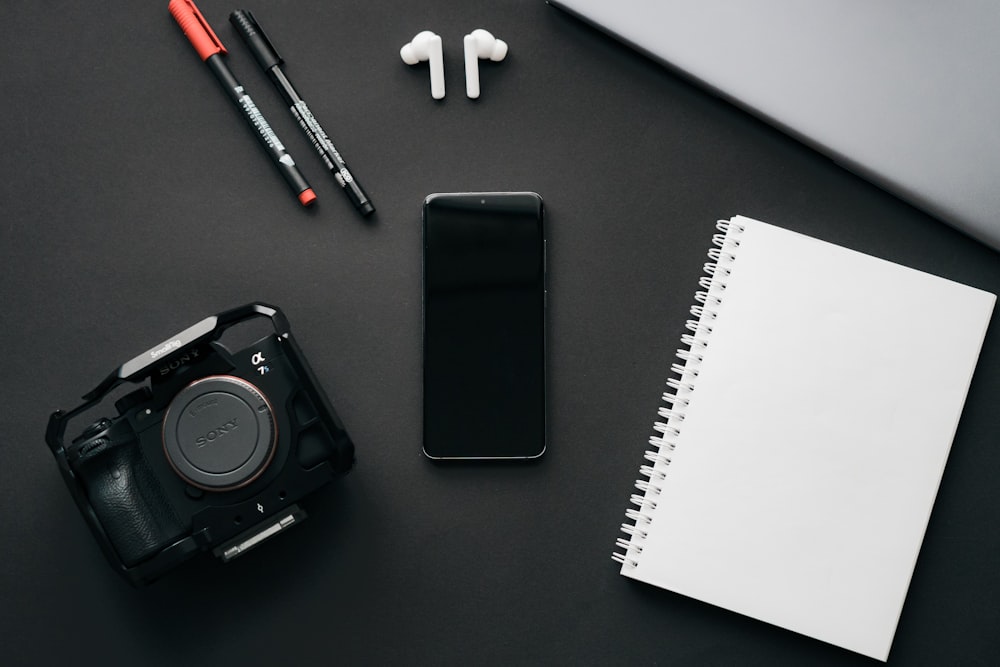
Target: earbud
(480, 44)
(426, 45)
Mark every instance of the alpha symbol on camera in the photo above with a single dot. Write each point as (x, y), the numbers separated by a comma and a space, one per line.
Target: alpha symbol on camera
(258, 360)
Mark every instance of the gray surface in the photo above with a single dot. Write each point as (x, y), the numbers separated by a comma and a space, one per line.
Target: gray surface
(134, 202)
(901, 92)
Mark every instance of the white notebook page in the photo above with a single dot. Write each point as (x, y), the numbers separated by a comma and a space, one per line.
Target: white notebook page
(810, 453)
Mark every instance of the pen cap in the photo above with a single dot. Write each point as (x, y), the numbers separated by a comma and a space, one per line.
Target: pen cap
(196, 28)
(260, 46)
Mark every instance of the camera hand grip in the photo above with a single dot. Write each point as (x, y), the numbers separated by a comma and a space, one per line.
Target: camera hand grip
(129, 502)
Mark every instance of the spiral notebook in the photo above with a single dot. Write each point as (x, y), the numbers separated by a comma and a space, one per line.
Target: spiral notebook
(804, 435)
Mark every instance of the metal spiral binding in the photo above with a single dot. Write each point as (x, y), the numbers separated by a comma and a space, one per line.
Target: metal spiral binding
(709, 300)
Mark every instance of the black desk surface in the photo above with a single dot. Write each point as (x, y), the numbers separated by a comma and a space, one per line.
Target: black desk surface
(134, 202)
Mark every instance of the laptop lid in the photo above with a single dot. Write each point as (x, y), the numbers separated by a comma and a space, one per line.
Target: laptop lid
(906, 93)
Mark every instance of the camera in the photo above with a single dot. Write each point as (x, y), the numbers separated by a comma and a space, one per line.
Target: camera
(212, 452)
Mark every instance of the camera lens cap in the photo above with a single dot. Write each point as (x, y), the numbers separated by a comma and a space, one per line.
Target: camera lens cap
(219, 433)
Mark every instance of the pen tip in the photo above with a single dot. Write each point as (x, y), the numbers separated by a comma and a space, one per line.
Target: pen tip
(307, 197)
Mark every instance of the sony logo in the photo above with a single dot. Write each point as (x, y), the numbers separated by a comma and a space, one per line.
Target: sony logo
(189, 356)
(167, 347)
(216, 433)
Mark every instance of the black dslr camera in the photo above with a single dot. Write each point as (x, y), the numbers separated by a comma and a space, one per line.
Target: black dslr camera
(211, 453)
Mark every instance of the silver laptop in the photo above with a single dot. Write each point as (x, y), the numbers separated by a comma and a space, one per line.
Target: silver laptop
(905, 93)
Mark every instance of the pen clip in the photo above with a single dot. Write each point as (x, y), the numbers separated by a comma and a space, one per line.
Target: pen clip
(258, 43)
(196, 28)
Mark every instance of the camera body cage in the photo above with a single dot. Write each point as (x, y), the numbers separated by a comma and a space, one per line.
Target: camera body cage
(212, 454)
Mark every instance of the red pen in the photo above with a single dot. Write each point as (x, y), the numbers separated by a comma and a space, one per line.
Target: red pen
(210, 49)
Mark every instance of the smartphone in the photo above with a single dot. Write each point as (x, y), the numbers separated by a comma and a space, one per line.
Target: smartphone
(484, 325)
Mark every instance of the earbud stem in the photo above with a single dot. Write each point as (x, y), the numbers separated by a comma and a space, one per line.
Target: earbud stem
(471, 67)
(436, 62)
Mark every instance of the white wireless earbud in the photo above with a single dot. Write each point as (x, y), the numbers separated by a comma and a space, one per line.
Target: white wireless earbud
(427, 46)
(480, 44)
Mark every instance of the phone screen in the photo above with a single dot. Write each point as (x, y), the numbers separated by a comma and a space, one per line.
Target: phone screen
(484, 326)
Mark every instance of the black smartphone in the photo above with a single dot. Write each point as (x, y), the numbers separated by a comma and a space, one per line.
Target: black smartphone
(484, 326)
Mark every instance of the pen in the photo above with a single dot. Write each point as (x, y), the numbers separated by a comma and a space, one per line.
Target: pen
(210, 49)
(271, 62)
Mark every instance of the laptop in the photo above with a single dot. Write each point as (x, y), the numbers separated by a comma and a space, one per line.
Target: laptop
(905, 93)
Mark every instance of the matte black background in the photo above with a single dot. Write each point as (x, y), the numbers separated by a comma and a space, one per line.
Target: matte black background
(134, 202)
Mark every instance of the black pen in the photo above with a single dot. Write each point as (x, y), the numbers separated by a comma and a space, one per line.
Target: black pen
(211, 50)
(271, 62)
